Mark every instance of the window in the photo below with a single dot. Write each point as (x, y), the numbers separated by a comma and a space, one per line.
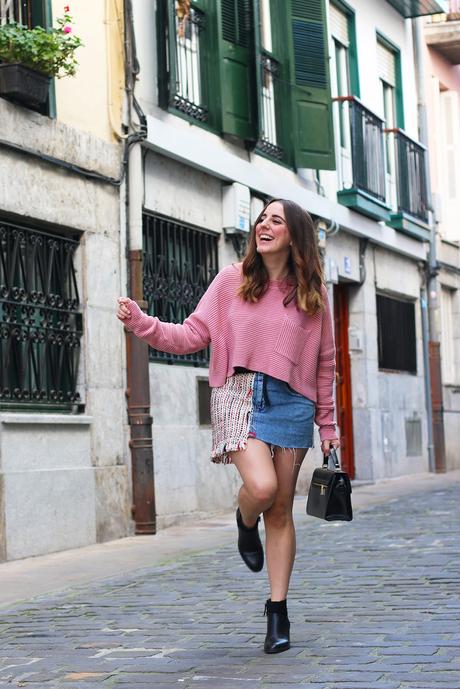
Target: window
(40, 320)
(389, 72)
(396, 334)
(179, 263)
(185, 55)
(252, 70)
(271, 88)
(447, 335)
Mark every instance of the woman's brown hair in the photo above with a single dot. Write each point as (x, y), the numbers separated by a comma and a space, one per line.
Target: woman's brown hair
(305, 271)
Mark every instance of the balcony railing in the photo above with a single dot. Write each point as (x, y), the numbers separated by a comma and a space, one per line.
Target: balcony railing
(187, 86)
(16, 11)
(410, 174)
(268, 140)
(365, 135)
(40, 320)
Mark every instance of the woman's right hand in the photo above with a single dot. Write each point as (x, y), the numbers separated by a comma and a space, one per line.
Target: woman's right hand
(123, 311)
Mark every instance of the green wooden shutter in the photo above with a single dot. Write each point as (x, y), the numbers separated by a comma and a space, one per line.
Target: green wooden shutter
(311, 92)
(236, 55)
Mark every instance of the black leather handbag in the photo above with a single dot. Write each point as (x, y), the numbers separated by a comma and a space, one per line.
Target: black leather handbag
(329, 496)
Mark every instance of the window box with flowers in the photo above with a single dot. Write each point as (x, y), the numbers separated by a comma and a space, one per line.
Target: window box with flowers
(29, 58)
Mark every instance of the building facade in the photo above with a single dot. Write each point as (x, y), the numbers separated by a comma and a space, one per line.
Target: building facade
(143, 175)
(64, 479)
(241, 106)
(442, 77)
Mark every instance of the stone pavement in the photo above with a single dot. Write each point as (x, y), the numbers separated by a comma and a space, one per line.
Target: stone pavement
(374, 604)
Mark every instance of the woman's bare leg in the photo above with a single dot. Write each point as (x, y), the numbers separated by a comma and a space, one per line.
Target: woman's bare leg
(280, 542)
(255, 465)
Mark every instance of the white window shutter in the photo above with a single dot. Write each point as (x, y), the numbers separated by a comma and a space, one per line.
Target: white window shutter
(386, 64)
(339, 25)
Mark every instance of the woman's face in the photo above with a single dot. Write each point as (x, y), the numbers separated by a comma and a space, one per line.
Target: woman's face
(272, 234)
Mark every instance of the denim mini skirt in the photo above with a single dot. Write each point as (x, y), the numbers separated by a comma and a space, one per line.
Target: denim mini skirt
(256, 405)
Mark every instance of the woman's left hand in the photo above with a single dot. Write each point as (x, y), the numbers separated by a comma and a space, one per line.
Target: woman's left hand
(327, 444)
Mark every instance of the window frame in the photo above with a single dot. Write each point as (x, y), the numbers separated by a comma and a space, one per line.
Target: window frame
(152, 235)
(382, 329)
(52, 315)
(207, 64)
(398, 88)
(352, 48)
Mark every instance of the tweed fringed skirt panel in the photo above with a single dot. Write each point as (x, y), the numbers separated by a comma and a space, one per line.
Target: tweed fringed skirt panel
(256, 405)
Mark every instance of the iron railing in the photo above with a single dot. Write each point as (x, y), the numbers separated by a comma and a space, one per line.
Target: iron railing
(187, 87)
(179, 262)
(19, 11)
(410, 174)
(367, 146)
(268, 134)
(40, 321)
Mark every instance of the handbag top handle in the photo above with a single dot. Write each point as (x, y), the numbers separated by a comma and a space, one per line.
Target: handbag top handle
(331, 458)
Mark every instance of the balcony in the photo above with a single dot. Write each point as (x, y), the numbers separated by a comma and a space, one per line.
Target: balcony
(381, 171)
(407, 158)
(362, 158)
(444, 34)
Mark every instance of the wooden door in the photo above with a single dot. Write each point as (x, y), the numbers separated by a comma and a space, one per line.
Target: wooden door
(343, 378)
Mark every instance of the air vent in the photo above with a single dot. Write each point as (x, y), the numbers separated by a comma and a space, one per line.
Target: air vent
(414, 436)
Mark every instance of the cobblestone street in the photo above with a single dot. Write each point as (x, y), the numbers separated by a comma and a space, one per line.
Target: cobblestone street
(374, 604)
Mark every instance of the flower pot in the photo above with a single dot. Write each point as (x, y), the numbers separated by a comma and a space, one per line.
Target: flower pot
(23, 85)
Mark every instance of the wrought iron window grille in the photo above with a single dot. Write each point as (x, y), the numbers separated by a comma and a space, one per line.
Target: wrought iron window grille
(187, 87)
(270, 84)
(40, 321)
(179, 263)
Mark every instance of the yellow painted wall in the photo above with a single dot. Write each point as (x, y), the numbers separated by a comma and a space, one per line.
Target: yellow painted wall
(92, 100)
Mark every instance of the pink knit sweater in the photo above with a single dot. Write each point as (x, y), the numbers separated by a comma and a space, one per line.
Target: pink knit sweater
(281, 341)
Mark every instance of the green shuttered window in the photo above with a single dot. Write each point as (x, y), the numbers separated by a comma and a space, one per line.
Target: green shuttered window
(258, 72)
(237, 77)
(310, 95)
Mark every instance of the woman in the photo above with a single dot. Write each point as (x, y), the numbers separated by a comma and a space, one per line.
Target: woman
(271, 373)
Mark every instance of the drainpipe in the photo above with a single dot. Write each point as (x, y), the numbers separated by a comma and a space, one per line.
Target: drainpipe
(137, 351)
(436, 441)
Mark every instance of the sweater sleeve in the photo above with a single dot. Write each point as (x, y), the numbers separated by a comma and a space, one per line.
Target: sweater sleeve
(175, 338)
(324, 416)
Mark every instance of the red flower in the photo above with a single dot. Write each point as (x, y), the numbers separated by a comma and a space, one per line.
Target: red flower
(67, 8)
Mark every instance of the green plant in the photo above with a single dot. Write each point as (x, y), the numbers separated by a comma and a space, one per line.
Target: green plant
(51, 51)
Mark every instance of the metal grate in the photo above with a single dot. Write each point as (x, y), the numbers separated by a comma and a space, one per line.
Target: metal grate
(179, 263)
(270, 85)
(187, 93)
(410, 174)
(367, 146)
(40, 320)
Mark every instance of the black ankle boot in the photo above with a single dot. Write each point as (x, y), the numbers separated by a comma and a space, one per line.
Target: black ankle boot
(278, 625)
(249, 545)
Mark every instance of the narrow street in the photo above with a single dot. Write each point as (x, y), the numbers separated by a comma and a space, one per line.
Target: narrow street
(374, 604)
